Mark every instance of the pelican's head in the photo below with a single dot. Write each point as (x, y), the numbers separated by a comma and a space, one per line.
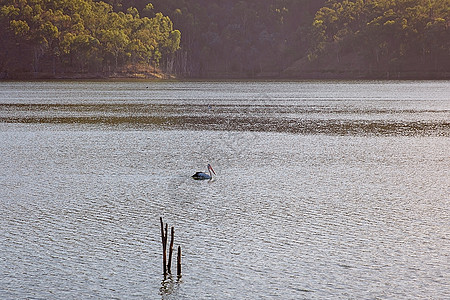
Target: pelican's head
(210, 168)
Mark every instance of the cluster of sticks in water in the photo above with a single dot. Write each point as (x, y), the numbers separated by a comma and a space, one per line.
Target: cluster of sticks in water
(168, 264)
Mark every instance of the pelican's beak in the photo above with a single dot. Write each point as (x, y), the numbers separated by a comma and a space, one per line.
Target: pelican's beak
(212, 170)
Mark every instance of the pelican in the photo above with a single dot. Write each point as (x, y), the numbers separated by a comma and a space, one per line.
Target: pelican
(203, 175)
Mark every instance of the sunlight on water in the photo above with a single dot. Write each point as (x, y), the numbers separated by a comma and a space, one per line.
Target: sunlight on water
(405, 108)
(324, 190)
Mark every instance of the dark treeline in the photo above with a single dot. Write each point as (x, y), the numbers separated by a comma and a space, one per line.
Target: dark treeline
(402, 37)
(216, 38)
(237, 38)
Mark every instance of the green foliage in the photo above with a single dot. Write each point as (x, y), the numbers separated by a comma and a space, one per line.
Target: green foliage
(86, 34)
(387, 34)
(239, 37)
(212, 37)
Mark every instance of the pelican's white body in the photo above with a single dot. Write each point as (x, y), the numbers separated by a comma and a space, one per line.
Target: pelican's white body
(203, 175)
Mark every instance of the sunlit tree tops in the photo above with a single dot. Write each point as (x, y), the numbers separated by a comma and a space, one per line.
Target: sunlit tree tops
(86, 33)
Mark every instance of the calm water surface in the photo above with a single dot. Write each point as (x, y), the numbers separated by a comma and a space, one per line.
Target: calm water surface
(324, 190)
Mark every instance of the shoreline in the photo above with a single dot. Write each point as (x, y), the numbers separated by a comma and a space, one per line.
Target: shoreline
(281, 76)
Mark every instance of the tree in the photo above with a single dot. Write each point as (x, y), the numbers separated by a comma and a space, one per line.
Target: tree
(390, 35)
(86, 34)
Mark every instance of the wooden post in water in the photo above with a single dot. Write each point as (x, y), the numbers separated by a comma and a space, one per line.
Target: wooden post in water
(165, 248)
(164, 244)
(169, 264)
(179, 262)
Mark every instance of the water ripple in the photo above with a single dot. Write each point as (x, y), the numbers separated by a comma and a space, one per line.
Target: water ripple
(357, 211)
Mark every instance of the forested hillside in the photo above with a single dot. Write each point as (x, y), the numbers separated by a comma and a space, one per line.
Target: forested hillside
(237, 38)
(82, 37)
(381, 38)
(216, 38)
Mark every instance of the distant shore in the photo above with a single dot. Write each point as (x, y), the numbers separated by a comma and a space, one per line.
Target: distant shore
(286, 75)
(84, 76)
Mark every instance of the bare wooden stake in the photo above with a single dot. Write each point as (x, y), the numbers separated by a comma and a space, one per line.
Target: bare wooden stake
(164, 243)
(169, 264)
(179, 262)
(165, 247)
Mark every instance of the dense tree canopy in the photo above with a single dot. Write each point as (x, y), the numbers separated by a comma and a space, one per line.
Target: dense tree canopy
(227, 38)
(241, 37)
(267, 36)
(385, 35)
(82, 35)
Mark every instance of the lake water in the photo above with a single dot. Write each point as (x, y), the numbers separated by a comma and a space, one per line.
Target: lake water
(324, 190)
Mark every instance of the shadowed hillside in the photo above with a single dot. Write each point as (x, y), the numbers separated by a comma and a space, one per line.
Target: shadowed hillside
(226, 39)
